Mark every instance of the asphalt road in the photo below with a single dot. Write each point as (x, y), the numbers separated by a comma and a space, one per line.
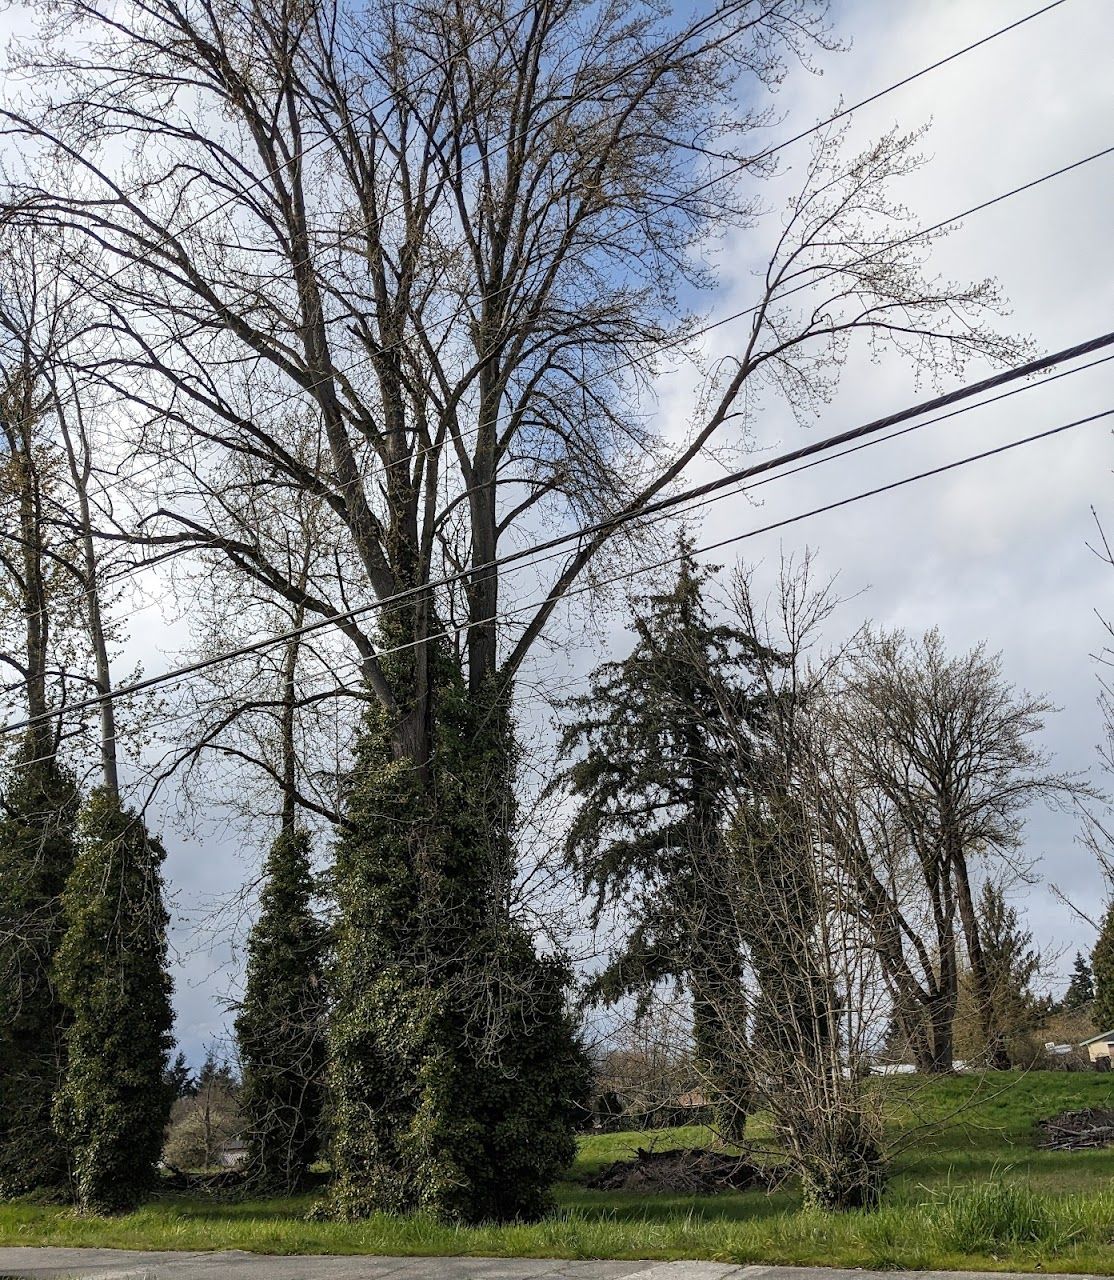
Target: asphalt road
(121, 1264)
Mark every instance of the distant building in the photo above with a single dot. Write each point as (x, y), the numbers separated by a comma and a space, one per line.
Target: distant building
(233, 1153)
(1100, 1049)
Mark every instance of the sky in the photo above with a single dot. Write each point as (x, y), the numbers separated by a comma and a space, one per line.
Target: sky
(995, 552)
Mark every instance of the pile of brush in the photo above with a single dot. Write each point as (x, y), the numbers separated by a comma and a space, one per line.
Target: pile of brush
(1078, 1130)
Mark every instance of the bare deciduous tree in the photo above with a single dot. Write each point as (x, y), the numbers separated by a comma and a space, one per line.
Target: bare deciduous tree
(939, 752)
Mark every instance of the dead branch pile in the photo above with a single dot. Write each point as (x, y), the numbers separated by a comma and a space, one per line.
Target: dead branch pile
(1078, 1130)
(692, 1171)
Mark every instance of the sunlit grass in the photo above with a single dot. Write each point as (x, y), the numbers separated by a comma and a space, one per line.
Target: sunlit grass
(974, 1194)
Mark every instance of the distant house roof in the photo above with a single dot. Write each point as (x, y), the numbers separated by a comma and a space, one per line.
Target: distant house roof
(1102, 1035)
(693, 1098)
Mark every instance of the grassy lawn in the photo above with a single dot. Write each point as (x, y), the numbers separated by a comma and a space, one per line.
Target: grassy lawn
(974, 1194)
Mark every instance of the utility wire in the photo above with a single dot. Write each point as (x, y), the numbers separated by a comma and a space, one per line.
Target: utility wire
(677, 341)
(749, 162)
(598, 528)
(335, 670)
(626, 575)
(629, 574)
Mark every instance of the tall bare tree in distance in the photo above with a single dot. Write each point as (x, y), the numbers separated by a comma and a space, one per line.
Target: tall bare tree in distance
(940, 752)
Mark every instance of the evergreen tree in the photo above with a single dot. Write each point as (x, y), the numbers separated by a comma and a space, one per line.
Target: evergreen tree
(1081, 987)
(111, 973)
(179, 1079)
(1102, 969)
(280, 1025)
(651, 785)
(203, 1120)
(1012, 963)
(456, 1080)
(36, 857)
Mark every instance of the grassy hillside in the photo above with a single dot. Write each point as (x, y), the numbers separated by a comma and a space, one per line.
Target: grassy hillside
(968, 1191)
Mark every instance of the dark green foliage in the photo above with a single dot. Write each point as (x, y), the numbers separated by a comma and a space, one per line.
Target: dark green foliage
(455, 1079)
(1012, 963)
(652, 781)
(110, 971)
(36, 857)
(280, 1027)
(1081, 988)
(1102, 967)
(179, 1079)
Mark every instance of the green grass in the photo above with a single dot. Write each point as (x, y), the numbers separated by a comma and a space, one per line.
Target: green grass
(972, 1193)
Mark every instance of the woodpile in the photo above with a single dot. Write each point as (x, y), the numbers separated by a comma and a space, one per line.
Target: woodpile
(1078, 1130)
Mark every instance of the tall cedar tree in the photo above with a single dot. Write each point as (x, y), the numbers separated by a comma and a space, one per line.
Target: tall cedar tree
(456, 1079)
(111, 973)
(280, 1028)
(1102, 967)
(1011, 963)
(1081, 987)
(652, 781)
(36, 857)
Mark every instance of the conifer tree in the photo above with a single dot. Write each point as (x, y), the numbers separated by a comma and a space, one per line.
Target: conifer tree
(280, 1026)
(36, 857)
(1081, 987)
(111, 973)
(1012, 963)
(1102, 967)
(456, 1079)
(651, 781)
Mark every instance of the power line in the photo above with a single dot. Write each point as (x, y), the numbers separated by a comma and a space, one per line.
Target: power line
(708, 328)
(768, 528)
(337, 669)
(680, 340)
(669, 344)
(875, 97)
(686, 510)
(601, 527)
(627, 575)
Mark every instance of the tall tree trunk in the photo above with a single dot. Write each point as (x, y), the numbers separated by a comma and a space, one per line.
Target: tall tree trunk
(22, 416)
(80, 472)
(997, 1055)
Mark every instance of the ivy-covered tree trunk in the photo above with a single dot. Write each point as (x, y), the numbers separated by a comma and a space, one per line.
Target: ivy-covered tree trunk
(456, 1078)
(36, 857)
(111, 973)
(280, 1027)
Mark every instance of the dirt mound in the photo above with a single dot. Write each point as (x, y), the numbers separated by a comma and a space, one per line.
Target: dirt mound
(1078, 1130)
(691, 1171)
